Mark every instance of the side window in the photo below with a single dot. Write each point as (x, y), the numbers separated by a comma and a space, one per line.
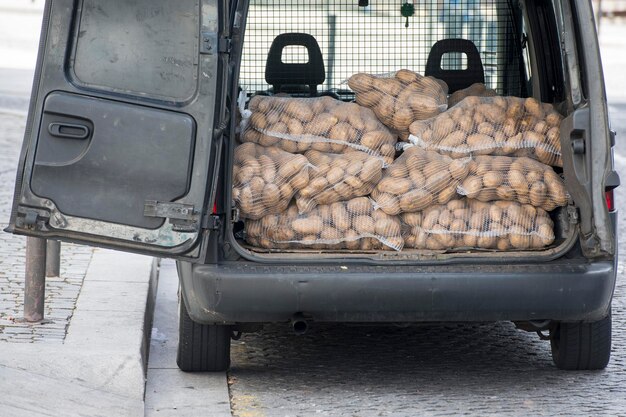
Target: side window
(137, 47)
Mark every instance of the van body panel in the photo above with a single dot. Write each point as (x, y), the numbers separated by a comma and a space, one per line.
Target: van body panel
(248, 292)
(121, 138)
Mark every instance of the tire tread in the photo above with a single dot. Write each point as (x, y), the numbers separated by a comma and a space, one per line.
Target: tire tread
(202, 347)
(582, 346)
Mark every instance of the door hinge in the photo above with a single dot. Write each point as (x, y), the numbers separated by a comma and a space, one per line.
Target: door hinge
(183, 217)
(224, 45)
(29, 218)
(210, 44)
(573, 214)
(211, 222)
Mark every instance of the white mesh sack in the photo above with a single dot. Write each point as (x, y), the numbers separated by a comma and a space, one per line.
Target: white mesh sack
(466, 224)
(338, 177)
(400, 98)
(354, 224)
(266, 178)
(320, 123)
(519, 179)
(418, 179)
(509, 126)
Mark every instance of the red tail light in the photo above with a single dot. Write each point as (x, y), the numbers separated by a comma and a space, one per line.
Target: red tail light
(610, 201)
(215, 207)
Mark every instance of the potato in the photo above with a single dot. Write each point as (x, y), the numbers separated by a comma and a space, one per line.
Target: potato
(430, 219)
(493, 179)
(519, 237)
(387, 226)
(505, 192)
(330, 234)
(412, 219)
(415, 200)
(404, 76)
(270, 195)
(369, 98)
(538, 193)
(388, 203)
(395, 185)
(309, 225)
(286, 191)
(299, 110)
(447, 194)
(258, 121)
(471, 186)
(471, 239)
(360, 82)
(364, 225)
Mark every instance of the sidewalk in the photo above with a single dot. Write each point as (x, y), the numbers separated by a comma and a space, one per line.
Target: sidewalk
(89, 357)
(100, 368)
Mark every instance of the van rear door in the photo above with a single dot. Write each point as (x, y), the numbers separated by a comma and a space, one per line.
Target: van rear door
(586, 139)
(121, 141)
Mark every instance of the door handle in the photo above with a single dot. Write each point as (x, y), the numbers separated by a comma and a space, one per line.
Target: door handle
(68, 130)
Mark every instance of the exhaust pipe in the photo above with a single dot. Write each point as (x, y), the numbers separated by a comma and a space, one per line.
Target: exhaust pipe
(299, 324)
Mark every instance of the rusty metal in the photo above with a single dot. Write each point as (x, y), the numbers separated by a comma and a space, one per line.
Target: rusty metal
(53, 258)
(35, 283)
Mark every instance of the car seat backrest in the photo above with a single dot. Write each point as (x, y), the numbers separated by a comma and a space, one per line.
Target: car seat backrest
(279, 73)
(456, 79)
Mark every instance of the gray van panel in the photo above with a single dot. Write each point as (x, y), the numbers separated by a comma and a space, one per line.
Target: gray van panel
(43, 209)
(116, 41)
(106, 171)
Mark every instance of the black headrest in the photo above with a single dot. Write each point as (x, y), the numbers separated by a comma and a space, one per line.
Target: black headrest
(456, 79)
(278, 73)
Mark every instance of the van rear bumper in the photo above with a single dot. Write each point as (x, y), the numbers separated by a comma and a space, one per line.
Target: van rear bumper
(564, 290)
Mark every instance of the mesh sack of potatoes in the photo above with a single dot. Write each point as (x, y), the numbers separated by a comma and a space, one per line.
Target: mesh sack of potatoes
(266, 178)
(320, 123)
(465, 224)
(509, 126)
(418, 179)
(354, 224)
(400, 98)
(338, 177)
(476, 89)
(519, 179)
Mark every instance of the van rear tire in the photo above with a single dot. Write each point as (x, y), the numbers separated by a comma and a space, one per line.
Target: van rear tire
(201, 347)
(582, 346)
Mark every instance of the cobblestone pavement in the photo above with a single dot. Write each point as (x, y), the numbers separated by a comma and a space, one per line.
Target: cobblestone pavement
(484, 369)
(61, 292)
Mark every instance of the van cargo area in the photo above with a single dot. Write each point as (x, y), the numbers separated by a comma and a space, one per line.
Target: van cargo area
(459, 103)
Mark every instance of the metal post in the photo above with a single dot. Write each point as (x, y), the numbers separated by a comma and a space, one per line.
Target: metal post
(35, 285)
(53, 258)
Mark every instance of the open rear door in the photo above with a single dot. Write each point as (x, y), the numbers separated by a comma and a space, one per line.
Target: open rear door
(121, 143)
